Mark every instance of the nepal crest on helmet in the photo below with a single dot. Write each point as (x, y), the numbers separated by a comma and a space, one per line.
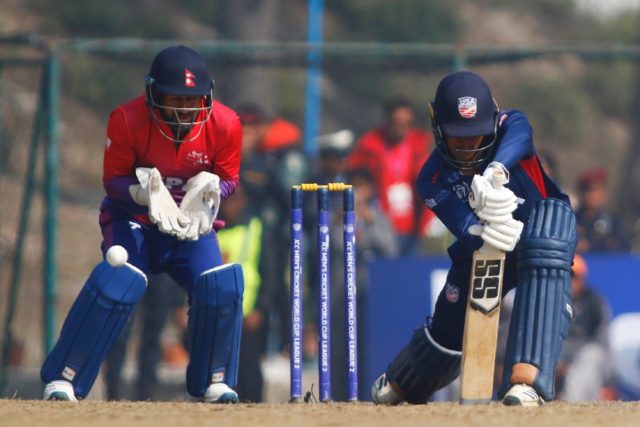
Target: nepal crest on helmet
(189, 78)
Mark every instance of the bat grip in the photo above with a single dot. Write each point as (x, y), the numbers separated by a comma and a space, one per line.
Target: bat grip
(498, 179)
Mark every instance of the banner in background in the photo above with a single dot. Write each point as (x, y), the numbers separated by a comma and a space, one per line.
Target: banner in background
(402, 293)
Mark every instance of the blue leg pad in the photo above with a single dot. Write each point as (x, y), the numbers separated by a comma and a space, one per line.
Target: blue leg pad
(215, 327)
(423, 367)
(542, 307)
(92, 325)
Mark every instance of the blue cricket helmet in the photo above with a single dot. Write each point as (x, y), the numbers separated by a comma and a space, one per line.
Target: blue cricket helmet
(179, 71)
(464, 107)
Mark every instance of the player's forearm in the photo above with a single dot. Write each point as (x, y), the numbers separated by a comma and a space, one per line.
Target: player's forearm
(228, 187)
(117, 188)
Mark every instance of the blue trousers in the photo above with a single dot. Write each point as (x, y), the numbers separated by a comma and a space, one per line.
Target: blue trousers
(155, 252)
(447, 324)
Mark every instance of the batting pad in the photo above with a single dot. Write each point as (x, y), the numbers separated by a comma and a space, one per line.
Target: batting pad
(423, 366)
(92, 325)
(542, 306)
(215, 327)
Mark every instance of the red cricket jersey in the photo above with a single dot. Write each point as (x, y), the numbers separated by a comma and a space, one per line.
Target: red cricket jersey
(133, 140)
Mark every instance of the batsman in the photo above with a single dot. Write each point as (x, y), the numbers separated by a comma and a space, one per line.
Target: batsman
(171, 155)
(528, 218)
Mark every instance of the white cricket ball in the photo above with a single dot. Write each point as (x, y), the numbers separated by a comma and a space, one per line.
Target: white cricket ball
(117, 256)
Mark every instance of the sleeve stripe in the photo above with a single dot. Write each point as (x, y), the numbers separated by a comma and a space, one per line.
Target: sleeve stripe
(532, 168)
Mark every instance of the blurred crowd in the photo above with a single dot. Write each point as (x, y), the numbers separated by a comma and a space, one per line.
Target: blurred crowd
(381, 165)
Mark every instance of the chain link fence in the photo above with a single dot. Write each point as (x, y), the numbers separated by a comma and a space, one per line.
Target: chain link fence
(581, 102)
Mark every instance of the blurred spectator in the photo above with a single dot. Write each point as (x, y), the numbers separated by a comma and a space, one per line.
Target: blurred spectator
(374, 234)
(272, 161)
(162, 299)
(333, 150)
(599, 229)
(242, 241)
(585, 370)
(394, 153)
(375, 238)
(329, 167)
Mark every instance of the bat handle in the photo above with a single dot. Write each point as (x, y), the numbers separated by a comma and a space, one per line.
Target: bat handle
(498, 179)
(487, 249)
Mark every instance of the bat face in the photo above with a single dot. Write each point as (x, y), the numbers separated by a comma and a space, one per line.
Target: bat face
(480, 337)
(486, 282)
(481, 326)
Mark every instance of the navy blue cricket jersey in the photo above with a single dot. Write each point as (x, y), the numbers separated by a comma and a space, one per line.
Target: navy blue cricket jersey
(445, 190)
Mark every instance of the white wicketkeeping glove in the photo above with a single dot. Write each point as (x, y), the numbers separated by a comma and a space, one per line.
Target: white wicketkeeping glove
(201, 203)
(163, 210)
(491, 201)
(502, 236)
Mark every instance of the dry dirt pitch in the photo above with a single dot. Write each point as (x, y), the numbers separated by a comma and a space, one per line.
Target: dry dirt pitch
(29, 413)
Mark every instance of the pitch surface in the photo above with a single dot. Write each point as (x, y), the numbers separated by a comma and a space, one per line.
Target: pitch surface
(29, 413)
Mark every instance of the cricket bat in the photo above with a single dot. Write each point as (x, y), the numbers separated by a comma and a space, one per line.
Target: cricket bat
(480, 337)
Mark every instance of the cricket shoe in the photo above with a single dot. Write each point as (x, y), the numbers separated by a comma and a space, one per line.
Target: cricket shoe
(382, 393)
(216, 393)
(522, 395)
(59, 390)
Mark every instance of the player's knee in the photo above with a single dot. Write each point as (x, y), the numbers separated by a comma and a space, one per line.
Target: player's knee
(542, 304)
(215, 327)
(92, 325)
(220, 286)
(549, 238)
(125, 285)
(423, 367)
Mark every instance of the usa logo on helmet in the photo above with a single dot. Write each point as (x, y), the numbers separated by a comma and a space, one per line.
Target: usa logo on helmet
(467, 107)
(189, 78)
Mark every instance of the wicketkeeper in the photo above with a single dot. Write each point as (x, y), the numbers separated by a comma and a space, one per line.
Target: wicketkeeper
(171, 155)
(530, 219)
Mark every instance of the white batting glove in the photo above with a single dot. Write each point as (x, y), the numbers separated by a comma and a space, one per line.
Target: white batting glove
(163, 210)
(502, 236)
(498, 212)
(201, 203)
(492, 202)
